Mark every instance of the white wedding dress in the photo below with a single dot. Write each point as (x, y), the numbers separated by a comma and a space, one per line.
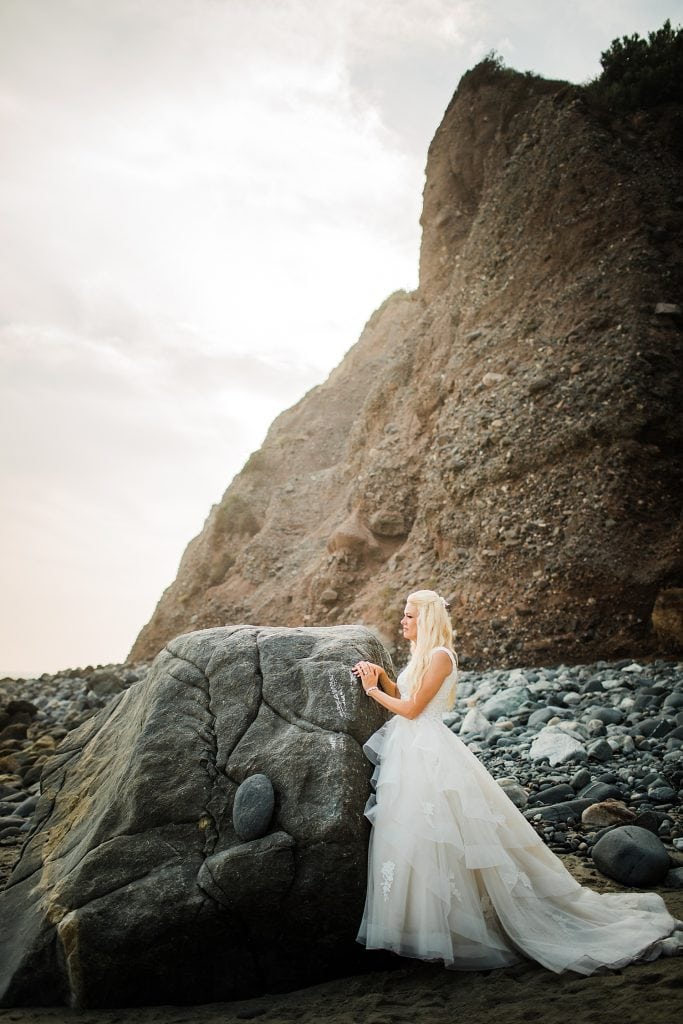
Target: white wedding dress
(456, 872)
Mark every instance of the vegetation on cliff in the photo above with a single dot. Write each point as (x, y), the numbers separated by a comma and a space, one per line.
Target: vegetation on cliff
(641, 73)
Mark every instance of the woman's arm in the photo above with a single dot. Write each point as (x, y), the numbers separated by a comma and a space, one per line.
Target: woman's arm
(387, 684)
(439, 667)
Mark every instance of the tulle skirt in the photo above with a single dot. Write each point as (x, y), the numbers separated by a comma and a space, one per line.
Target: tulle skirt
(456, 873)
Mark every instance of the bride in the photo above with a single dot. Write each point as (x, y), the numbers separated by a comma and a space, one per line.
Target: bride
(455, 871)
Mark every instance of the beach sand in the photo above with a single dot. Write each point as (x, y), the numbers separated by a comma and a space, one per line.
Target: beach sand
(421, 993)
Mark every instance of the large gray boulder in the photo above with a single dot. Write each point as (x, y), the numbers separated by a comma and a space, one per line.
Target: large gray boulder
(134, 886)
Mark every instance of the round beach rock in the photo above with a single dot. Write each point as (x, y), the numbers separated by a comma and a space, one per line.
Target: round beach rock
(632, 856)
(558, 746)
(253, 807)
(608, 812)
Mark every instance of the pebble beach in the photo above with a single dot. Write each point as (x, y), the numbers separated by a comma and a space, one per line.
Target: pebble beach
(583, 751)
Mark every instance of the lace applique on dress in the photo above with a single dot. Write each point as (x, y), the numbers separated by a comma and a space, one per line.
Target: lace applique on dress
(524, 879)
(387, 877)
(428, 809)
(454, 890)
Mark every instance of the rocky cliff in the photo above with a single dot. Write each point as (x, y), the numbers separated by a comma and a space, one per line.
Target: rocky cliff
(508, 433)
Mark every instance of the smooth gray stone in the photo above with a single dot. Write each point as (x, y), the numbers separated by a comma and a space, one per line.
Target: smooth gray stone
(26, 808)
(20, 707)
(603, 832)
(552, 795)
(593, 686)
(253, 807)
(557, 745)
(11, 819)
(654, 779)
(599, 750)
(543, 715)
(559, 812)
(646, 702)
(632, 856)
(475, 723)
(661, 795)
(580, 778)
(655, 727)
(674, 878)
(105, 684)
(651, 820)
(610, 716)
(598, 791)
(7, 831)
(505, 703)
(515, 792)
(133, 887)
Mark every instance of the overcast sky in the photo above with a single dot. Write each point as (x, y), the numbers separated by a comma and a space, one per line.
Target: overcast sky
(201, 203)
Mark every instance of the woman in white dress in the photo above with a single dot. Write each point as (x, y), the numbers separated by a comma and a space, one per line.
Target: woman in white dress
(455, 871)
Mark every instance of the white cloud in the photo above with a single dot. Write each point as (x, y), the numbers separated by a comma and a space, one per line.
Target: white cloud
(202, 202)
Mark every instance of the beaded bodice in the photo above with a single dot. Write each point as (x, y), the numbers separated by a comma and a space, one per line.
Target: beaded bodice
(439, 703)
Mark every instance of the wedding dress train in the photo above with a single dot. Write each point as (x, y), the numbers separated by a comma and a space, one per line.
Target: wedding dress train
(456, 872)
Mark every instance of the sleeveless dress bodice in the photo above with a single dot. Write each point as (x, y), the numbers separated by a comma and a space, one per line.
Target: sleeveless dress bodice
(441, 701)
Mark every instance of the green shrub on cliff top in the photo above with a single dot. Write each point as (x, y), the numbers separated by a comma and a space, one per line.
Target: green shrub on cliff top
(640, 73)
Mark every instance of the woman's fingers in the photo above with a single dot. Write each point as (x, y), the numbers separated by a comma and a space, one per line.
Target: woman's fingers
(366, 671)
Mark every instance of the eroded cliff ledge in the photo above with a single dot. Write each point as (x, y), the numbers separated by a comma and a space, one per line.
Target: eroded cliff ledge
(509, 432)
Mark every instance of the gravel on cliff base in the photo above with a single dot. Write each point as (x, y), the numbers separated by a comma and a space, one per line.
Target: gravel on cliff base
(560, 741)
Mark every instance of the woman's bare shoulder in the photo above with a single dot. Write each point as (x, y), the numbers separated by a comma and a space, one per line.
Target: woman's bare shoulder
(442, 657)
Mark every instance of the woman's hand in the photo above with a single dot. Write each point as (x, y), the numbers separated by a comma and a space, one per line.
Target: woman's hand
(368, 673)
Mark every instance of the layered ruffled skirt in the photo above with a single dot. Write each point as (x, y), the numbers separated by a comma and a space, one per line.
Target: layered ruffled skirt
(456, 872)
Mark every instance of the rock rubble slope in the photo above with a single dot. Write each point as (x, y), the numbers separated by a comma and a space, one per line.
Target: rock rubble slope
(136, 884)
(509, 432)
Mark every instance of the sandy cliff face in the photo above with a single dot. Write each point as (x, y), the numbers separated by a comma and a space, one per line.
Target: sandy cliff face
(509, 432)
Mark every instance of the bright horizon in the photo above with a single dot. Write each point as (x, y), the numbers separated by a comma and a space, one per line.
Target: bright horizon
(203, 201)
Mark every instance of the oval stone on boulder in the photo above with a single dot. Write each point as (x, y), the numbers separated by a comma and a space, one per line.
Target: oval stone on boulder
(253, 807)
(632, 856)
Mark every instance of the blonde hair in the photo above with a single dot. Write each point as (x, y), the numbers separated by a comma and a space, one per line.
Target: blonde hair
(434, 629)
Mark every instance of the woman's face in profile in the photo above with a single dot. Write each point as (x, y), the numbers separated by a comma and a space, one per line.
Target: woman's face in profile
(409, 622)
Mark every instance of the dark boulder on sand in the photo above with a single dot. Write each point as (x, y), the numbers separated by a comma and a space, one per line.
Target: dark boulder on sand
(632, 856)
(134, 886)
